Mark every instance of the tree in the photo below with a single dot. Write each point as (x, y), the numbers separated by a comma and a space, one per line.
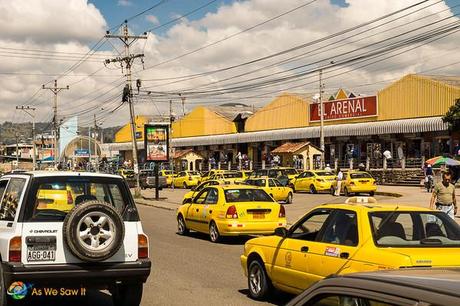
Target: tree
(452, 117)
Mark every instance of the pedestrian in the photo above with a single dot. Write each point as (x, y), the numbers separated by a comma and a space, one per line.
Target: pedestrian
(328, 168)
(443, 197)
(339, 182)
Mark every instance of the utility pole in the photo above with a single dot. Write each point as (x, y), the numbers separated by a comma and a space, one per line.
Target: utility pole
(17, 149)
(55, 90)
(128, 60)
(28, 110)
(321, 111)
(171, 120)
(183, 104)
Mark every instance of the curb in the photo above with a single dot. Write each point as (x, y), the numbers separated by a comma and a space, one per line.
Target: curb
(389, 194)
(148, 203)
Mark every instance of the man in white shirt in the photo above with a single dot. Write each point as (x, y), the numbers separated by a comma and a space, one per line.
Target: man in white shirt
(339, 182)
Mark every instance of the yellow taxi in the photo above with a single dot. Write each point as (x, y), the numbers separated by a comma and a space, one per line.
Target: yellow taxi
(56, 196)
(231, 210)
(194, 190)
(351, 237)
(313, 181)
(207, 175)
(229, 177)
(169, 174)
(186, 179)
(274, 188)
(356, 182)
(126, 173)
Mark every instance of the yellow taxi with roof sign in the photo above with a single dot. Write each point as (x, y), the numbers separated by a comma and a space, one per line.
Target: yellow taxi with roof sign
(208, 174)
(229, 177)
(314, 181)
(194, 190)
(231, 210)
(351, 237)
(355, 182)
(186, 179)
(274, 188)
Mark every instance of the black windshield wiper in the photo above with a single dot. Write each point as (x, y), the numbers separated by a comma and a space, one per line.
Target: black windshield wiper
(431, 241)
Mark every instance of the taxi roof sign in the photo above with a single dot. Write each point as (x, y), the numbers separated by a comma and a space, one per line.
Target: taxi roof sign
(358, 200)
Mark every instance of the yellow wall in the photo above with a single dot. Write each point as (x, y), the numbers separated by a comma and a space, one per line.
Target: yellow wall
(286, 111)
(201, 122)
(124, 134)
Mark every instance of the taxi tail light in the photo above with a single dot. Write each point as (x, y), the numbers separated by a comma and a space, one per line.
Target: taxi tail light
(282, 213)
(190, 178)
(14, 254)
(69, 197)
(232, 213)
(143, 246)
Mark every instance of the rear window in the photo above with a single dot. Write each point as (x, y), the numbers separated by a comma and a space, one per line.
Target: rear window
(290, 171)
(259, 183)
(324, 173)
(360, 175)
(53, 198)
(414, 229)
(246, 195)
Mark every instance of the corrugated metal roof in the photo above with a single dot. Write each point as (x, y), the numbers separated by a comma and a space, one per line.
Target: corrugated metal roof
(231, 110)
(180, 153)
(450, 80)
(416, 125)
(291, 147)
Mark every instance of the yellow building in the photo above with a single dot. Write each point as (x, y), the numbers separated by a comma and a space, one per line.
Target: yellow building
(124, 134)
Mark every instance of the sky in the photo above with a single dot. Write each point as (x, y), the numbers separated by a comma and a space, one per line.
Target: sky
(246, 51)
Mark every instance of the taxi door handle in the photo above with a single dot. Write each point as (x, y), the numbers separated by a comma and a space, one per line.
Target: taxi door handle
(210, 211)
(344, 255)
(197, 209)
(304, 249)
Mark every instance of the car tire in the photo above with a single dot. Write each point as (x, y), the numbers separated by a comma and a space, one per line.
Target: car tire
(127, 294)
(185, 185)
(312, 189)
(214, 234)
(100, 243)
(371, 193)
(181, 227)
(259, 284)
(289, 198)
(345, 192)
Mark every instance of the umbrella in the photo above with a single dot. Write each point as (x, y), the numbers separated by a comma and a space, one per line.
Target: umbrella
(441, 160)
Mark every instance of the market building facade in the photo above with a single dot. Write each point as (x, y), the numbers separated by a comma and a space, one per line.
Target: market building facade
(403, 119)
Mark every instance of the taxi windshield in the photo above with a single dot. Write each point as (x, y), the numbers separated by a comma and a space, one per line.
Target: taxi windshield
(290, 172)
(414, 229)
(259, 183)
(233, 175)
(324, 173)
(360, 175)
(193, 173)
(246, 195)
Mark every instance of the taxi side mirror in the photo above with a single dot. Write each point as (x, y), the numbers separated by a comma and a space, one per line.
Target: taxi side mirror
(281, 232)
(193, 188)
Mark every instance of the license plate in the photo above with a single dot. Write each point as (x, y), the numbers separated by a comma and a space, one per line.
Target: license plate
(41, 253)
(258, 216)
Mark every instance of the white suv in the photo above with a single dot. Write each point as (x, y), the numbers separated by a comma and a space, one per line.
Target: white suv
(71, 229)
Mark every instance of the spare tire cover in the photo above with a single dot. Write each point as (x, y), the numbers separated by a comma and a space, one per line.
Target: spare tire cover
(93, 231)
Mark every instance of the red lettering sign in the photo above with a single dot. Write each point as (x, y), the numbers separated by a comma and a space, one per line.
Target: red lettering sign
(345, 109)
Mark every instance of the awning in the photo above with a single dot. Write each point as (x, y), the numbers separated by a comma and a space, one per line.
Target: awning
(416, 125)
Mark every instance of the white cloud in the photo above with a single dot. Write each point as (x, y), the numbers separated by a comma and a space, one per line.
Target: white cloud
(124, 3)
(77, 25)
(152, 19)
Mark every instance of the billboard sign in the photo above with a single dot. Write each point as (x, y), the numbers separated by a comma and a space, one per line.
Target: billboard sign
(351, 108)
(156, 142)
(82, 152)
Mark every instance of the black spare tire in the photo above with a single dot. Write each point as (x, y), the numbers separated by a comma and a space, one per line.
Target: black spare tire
(93, 231)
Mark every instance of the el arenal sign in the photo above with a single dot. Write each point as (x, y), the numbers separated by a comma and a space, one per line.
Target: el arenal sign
(345, 109)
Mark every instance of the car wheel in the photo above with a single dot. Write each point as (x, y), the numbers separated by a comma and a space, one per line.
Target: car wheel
(214, 232)
(371, 193)
(181, 227)
(259, 284)
(185, 185)
(345, 192)
(312, 189)
(127, 295)
(289, 198)
(93, 231)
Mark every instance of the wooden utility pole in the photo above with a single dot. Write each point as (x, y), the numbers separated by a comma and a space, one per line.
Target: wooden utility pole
(55, 90)
(128, 60)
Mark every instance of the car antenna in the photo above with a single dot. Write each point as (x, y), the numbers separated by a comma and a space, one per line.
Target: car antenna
(375, 232)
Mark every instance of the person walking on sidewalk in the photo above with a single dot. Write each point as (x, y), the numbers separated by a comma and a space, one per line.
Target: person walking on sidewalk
(443, 197)
(339, 182)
